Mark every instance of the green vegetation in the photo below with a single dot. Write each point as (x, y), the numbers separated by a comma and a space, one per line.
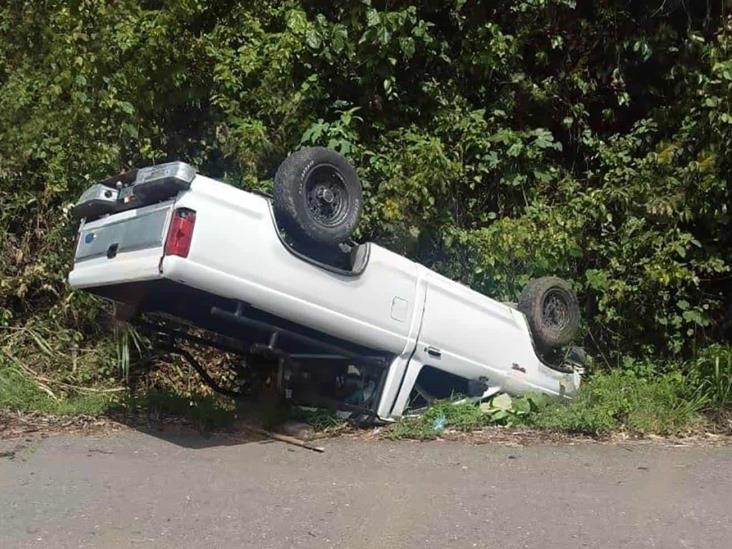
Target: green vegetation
(496, 141)
(624, 402)
(711, 373)
(19, 393)
(610, 403)
(637, 399)
(322, 421)
(460, 415)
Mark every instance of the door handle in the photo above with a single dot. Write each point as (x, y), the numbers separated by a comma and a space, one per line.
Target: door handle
(433, 351)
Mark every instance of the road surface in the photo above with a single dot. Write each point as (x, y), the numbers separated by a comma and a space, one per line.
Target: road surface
(131, 489)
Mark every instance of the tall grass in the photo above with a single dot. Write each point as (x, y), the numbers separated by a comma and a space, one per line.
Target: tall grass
(127, 338)
(711, 374)
(48, 368)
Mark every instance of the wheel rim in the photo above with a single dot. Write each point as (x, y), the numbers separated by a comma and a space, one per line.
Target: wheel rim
(326, 195)
(555, 311)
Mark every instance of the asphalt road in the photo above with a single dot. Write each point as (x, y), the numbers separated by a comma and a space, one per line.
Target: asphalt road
(132, 489)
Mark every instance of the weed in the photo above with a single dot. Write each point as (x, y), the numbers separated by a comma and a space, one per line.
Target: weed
(618, 401)
(623, 401)
(126, 338)
(49, 349)
(319, 420)
(18, 392)
(458, 415)
(711, 375)
(506, 410)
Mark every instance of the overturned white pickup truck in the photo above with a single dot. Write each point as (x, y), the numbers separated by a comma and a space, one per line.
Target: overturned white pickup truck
(326, 321)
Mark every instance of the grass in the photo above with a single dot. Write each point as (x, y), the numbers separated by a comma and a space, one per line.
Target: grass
(616, 402)
(621, 401)
(319, 420)
(640, 398)
(460, 416)
(19, 393)
(711, 372)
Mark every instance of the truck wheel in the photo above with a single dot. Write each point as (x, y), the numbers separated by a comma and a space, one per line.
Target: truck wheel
(552, 311)
(318, 196)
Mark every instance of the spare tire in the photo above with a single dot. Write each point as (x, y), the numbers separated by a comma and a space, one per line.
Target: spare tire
(317, 196)
(552, 311)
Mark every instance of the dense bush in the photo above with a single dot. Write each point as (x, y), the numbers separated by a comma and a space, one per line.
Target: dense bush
(497, 140)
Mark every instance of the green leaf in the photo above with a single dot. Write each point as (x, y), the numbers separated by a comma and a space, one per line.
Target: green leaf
(502, 402)
(297, 21)
(372, 18)
(312, 38)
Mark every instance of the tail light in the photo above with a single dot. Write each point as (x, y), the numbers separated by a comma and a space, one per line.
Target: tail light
(180, 232)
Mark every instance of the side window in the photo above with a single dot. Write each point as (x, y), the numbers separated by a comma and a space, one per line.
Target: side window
(435, 384)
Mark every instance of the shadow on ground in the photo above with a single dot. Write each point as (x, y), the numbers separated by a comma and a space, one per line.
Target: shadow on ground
(206, 421)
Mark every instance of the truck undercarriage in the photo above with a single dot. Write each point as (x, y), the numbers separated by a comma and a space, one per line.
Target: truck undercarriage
(300, 365)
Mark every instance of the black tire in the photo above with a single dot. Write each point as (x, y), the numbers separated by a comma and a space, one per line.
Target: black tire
(552, 311)
(317, 196)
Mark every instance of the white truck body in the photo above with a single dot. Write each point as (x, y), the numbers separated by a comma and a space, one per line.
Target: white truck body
(394, 305)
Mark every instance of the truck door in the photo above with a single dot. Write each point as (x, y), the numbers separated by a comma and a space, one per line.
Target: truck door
(466, 333)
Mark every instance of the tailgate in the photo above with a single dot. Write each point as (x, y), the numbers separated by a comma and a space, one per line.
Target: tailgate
(123, 247)
(144, 228)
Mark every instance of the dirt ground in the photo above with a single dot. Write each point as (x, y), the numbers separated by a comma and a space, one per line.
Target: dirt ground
(105, 485)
